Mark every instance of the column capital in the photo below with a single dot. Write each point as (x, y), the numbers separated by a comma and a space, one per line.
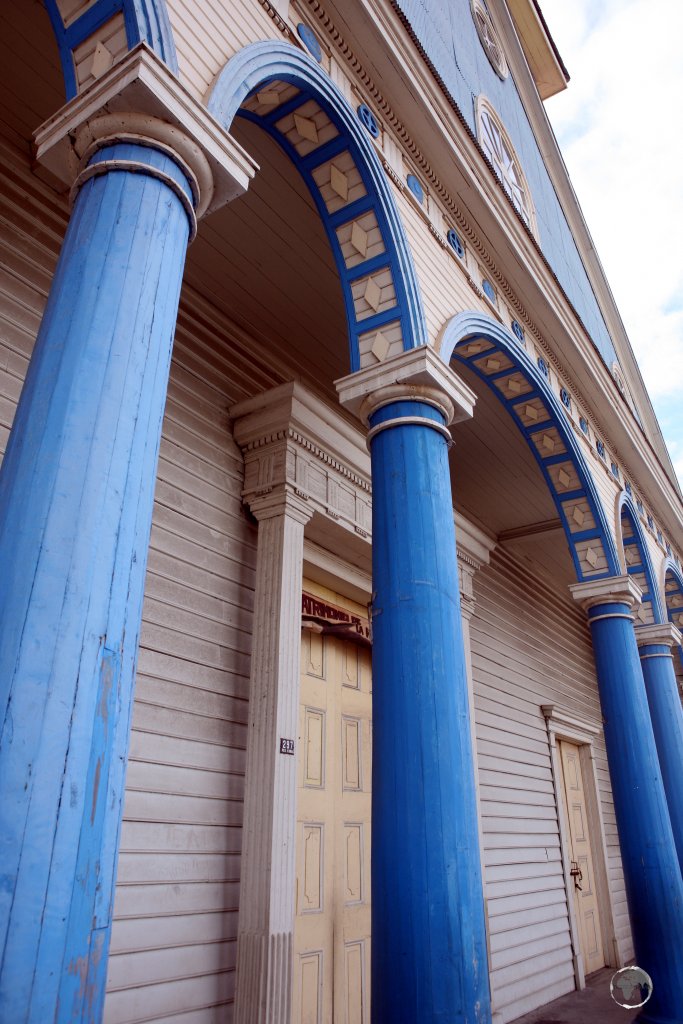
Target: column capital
(293, 442)
(658, 633)
(138, 100)
(418, 374)
(611, 590)
(281, 501)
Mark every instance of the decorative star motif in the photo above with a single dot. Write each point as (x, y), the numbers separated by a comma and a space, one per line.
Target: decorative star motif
(380, 347)
(359, 239)
(306, 128)
(268, 98)
(102, 60)
(591, 557)
(339, 182)
(373, 294)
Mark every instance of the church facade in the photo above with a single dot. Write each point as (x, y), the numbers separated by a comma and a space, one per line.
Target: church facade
(341, 592)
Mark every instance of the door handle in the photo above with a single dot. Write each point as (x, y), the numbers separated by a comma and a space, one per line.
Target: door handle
(577, 875)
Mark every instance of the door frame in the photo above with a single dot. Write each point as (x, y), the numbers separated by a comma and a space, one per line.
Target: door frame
(563, 724)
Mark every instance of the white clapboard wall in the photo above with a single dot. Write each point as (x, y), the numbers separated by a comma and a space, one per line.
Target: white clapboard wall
(530, 646)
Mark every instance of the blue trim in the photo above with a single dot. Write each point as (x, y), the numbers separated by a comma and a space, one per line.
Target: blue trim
(145, 21)
(415, 187)
(456, 243)
(488, 290)
(517, 330)
(469, 326)
(260, 63)
(310, 41)
(368, 120)
(429, 961)
(627, 509)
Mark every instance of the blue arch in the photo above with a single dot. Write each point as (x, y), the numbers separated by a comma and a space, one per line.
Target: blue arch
(145, 21)
(638, 563)
(673, 596)
(263, 70)
(499, 359)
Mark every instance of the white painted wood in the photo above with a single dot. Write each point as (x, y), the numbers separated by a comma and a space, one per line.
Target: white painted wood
(530, 647)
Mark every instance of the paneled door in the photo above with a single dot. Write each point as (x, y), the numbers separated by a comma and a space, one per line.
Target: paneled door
(332, 930)
(581, 856)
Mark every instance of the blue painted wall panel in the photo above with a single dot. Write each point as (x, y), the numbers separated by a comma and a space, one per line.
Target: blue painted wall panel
(449, 37)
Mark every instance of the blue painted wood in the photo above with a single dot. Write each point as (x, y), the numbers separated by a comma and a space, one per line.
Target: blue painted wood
(666, 713)
(449, 37)
(251, 69)
(470, 325)
(76, 496)
(145, 21)
(654, 886)
(651, 596)
(429, 959)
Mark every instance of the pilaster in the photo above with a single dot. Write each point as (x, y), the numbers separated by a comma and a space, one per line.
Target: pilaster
(302, 463)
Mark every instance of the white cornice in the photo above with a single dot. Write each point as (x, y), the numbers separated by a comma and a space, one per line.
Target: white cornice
(584, 368)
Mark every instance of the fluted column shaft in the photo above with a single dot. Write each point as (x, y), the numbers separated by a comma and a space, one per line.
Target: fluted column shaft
(268, 871)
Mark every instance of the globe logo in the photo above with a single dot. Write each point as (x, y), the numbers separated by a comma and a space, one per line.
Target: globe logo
(631, 987)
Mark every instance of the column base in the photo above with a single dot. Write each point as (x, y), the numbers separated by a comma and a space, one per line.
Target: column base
(264, 978)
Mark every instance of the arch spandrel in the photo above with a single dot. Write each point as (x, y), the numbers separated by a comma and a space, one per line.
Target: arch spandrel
(500, 361)
(637, 561)
(92, 36)
(288, 95)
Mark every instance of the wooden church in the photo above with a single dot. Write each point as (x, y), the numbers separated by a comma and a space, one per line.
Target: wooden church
(340, 549)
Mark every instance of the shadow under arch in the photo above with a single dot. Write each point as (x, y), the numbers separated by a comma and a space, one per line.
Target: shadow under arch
(287, 94)
(143, 20)
(638, 562)
(500, 361)
(673, 596)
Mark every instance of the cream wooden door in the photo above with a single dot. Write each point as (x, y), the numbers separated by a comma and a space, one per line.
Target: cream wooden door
(583, 877)
(332, 929)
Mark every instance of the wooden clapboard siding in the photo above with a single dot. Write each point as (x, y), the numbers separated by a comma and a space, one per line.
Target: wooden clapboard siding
(206, 35)
(530, 646)
(173, 940)
(33, 221)
(443, 284)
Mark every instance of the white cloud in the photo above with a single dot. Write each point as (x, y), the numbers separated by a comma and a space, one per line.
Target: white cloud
(619, 127)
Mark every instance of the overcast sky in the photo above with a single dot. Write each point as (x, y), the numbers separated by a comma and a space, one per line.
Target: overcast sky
(619, 126)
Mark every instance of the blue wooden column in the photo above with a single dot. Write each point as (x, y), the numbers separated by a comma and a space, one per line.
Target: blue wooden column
(76, 495)
(654, 887)
(429, 959)
(655, 647)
